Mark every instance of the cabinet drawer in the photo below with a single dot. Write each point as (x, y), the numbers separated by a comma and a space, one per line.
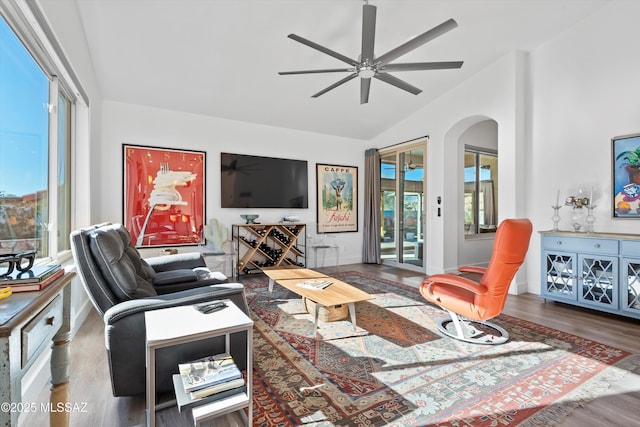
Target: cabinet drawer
(41, 329)
(630, 248)
(577, 244)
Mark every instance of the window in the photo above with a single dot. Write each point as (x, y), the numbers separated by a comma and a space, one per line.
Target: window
(480, 190)
(402, 178)
(35, 152)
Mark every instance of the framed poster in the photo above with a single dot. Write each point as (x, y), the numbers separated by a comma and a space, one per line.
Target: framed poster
(164, 195)
(626, 176)
(337, 204)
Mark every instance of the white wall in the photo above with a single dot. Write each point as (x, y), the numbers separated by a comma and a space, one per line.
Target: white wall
(132, 124)
(585, 90)
(494, 93)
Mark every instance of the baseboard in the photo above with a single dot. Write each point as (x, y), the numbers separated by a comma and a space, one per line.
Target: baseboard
(518, 288)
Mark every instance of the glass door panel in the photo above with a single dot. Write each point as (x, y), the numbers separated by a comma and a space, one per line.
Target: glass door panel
(388, 203)
(402, 183)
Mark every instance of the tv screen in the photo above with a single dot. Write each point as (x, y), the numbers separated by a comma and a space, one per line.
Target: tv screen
(263, 182)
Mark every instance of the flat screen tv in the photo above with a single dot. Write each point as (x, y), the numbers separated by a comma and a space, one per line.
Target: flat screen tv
(263, 182)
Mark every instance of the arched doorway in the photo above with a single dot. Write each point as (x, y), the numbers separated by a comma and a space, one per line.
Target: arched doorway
(473, 143)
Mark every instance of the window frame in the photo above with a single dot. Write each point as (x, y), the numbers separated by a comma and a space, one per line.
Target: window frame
(29, 25)
(477, 152)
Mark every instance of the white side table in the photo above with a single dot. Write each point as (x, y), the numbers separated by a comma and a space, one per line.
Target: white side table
(219, 262)
(177, 325)
(324, 247)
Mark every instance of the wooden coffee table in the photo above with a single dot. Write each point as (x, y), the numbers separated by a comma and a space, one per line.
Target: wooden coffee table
(335, 294)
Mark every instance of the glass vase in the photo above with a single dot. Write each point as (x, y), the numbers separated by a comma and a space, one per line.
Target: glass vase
(577, 218)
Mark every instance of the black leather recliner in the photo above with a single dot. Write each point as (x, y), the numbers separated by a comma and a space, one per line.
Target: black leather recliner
(122, 286)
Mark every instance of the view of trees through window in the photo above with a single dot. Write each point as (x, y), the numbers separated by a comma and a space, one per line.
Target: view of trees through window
(402, 202)
(24, 148)
(480, 191)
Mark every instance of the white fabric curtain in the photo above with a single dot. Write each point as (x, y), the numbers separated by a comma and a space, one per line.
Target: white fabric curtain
(486, 189)
(488, 201)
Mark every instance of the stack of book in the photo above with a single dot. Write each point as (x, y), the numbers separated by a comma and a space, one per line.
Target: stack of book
(315, 283)
(34, 279)
(214, 377)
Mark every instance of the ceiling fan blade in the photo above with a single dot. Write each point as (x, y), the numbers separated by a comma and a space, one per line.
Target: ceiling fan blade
(335, 85)
(323, 49)
(416, 42)
(329, 70)
(418, 66)
(365, 85)
(394, 81)
(368, 32)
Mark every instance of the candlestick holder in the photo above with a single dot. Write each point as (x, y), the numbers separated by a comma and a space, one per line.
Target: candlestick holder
(556, 217)
(590, 218)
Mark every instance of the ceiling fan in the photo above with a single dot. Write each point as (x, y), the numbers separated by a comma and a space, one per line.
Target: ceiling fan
(368, 65)
(408, 166)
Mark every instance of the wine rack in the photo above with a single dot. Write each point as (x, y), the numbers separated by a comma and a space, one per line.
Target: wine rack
(269, 245)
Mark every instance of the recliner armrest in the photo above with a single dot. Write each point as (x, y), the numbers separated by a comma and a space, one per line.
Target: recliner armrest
(171, 277)
(196, 278)
(472, 269)
(453, 280)
(187, 297)
(188, 260)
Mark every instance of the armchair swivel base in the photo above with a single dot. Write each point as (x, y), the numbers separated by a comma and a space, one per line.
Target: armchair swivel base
(473, 331)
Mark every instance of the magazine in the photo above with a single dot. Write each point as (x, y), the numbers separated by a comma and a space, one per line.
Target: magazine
(230, 387)
(315, 283)
(186, 401)
(208, 371)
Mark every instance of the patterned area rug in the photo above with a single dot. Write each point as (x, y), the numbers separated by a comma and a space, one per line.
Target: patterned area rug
(396, 370)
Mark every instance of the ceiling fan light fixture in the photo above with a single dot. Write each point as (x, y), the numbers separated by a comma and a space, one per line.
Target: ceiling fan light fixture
(366, 72)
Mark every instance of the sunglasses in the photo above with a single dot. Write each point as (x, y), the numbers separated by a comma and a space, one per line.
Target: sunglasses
(22, 261)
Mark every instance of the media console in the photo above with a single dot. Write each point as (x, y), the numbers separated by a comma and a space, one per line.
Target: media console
(595, 270)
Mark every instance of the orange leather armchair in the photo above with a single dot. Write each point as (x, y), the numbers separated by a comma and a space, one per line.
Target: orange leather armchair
(479, 294)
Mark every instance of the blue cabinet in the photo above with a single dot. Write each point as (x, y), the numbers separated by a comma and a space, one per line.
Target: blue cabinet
(630, 277)
(596, 270)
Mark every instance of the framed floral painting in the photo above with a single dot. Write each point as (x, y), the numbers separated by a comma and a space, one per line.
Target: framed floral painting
(626, 176)
(164, 195)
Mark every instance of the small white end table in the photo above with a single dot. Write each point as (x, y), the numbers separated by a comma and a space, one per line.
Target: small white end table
(324, 247)
(220, 262)
(177, 325)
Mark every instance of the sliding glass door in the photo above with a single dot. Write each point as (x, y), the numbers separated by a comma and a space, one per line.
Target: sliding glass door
(402, 204)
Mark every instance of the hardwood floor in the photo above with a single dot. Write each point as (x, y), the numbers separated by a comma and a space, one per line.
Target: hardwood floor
(90, 377)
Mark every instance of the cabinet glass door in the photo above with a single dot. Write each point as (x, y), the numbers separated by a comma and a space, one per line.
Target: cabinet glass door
(561, 276)
(630, 286)
(598, 281)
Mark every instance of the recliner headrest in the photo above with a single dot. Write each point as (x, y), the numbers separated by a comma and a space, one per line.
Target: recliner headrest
(127, 274)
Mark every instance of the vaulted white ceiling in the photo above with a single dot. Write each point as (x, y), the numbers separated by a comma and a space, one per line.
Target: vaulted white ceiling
(221, 57)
